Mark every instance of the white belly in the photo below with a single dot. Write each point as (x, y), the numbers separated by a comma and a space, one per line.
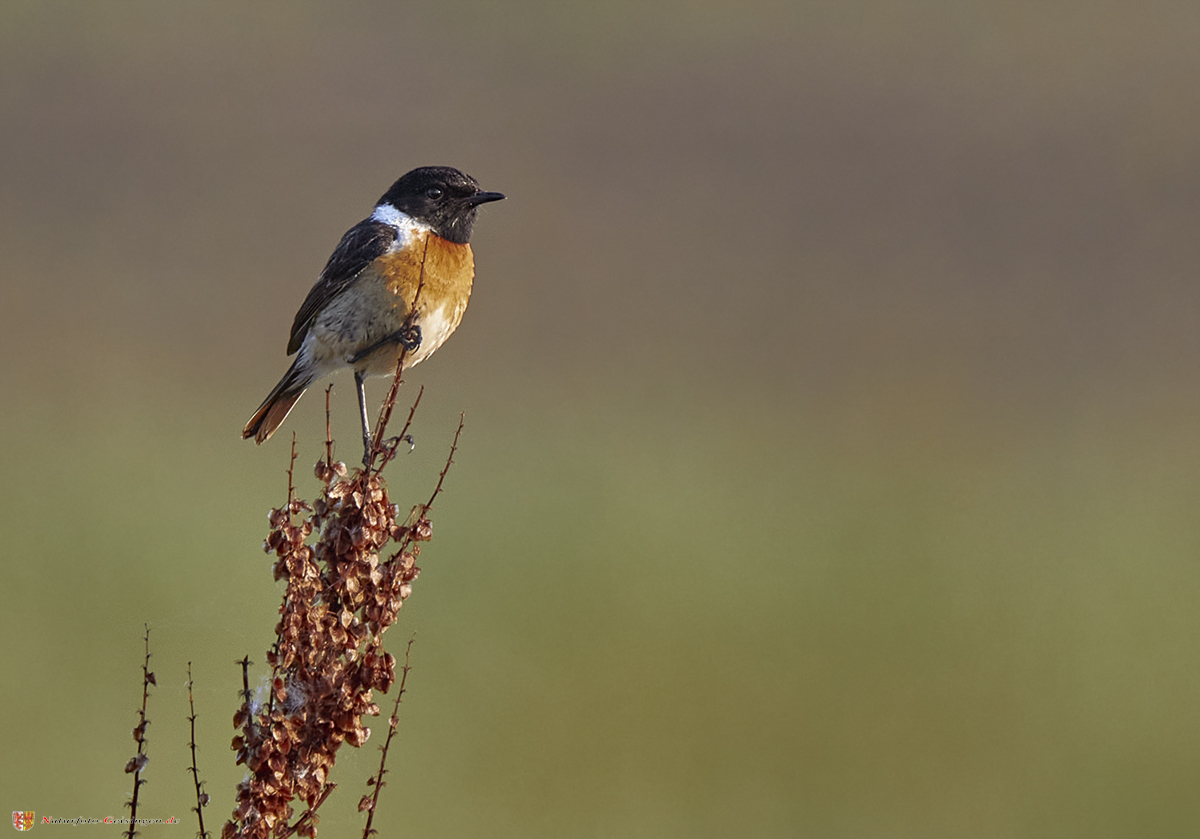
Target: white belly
(344, 331)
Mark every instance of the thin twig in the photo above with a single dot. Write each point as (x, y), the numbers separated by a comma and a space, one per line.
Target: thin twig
(462, 418)
(411, 535)
(411, 412)
(201, 795)
(393, 724)
(291, 469)
(385, 411)
(138, 763)
(389, 452)
(328, 429)
(245, 664)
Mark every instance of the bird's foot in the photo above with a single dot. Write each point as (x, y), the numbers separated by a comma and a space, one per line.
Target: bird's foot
(410, 336)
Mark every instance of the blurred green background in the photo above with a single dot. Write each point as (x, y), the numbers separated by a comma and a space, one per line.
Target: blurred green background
(831, 464)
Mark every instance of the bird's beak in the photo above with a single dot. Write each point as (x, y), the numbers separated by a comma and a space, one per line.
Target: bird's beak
(484, 197)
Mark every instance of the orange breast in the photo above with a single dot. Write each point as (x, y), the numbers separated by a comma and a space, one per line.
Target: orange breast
(441, 270)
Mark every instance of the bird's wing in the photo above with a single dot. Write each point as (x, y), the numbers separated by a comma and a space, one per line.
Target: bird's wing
(362, 243)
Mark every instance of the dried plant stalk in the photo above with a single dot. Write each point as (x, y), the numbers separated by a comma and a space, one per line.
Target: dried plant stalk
(328, 658)
(369, 803)
(138, 762)
(201, 795)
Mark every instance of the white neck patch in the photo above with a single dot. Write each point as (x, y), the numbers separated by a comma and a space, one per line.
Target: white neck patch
(404, 224)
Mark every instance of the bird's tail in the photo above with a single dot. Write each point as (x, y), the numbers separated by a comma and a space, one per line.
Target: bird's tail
(275, 408)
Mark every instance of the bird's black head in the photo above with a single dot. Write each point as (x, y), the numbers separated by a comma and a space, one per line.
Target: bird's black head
(442, 197)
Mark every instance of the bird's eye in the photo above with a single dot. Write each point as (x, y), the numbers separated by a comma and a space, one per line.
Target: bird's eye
(433, 193)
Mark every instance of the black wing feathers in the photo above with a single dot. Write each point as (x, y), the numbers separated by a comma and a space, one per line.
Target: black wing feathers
(362, 243)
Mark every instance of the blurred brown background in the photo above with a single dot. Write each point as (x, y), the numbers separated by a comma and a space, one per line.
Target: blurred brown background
(831, 464)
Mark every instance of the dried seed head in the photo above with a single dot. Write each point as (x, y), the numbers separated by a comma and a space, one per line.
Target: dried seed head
(328, 658)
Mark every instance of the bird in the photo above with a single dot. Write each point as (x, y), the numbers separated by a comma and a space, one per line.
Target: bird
(397, 284)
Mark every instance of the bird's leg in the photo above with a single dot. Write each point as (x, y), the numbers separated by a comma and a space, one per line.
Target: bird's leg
(366, 424)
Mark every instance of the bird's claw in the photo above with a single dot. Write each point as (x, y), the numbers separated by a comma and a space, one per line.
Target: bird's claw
(394, 442)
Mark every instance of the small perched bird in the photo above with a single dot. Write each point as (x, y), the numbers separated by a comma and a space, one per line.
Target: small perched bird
(398, 282)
